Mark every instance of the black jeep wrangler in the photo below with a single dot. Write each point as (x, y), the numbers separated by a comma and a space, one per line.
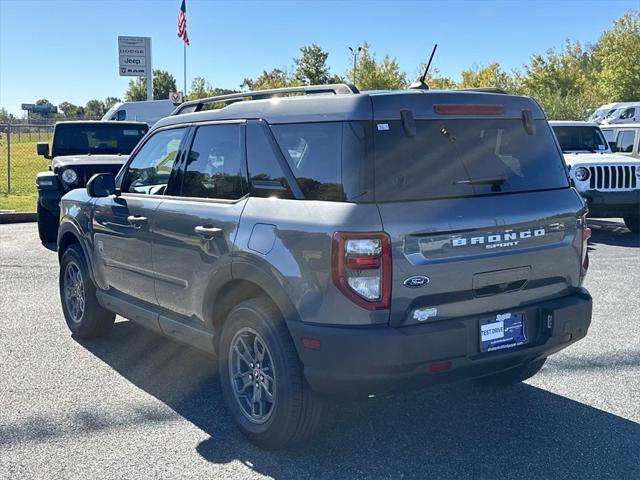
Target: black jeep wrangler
(79, 150)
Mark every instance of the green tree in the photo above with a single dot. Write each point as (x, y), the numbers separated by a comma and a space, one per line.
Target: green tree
(200, 88)
(618, 56)
(434, 79)
(95, 109)
(563, 81)
(71, 110)
(275, 78)
(5, 116)
(490, 76)
(163, 84)
(311, 67)
(110, 102)
(373, 75)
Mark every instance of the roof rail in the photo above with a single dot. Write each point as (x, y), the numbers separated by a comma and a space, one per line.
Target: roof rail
(483, 90)
(196, 105)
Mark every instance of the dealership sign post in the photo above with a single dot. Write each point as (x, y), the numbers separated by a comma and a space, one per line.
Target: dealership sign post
(134, 59)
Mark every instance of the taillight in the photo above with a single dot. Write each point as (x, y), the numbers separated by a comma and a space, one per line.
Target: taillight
(586, 235)
(361, 267)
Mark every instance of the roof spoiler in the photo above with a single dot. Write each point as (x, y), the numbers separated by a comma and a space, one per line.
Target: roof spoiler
(197, 105)
(483, 90)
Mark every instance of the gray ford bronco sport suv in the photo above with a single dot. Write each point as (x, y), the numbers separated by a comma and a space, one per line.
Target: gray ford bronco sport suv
(333, 242)
(79, 150)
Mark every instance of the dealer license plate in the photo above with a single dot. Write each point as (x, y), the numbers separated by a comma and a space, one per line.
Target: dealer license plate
(506, 330)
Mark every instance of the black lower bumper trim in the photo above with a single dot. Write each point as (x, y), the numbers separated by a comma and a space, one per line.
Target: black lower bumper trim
(374, 360)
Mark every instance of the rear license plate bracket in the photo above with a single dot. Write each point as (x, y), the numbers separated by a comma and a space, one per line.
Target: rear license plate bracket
(504, 331)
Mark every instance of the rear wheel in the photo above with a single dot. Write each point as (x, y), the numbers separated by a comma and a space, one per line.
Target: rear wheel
(515, 375)
(47, 225)
(262, 378)
(85, 317)
(633, 223)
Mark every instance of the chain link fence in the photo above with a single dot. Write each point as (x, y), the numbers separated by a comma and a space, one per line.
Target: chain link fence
(19, 162)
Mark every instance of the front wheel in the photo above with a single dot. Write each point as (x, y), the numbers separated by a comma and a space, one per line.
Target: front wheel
(633, 222)
(262, 378)
(515, 375)
(85, 317)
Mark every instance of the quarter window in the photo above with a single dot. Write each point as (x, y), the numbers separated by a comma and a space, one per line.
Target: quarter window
(314, 153)
(150, 169)
(265, 174)
(214, 165)
(625, 141)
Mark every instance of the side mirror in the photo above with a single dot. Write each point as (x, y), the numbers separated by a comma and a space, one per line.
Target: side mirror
(101, 185)
(42, 149)
(613, 146)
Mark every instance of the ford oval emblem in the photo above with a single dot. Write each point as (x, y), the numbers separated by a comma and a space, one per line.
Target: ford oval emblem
(416, 281)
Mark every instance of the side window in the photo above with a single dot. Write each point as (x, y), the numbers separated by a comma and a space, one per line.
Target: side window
(150, 169)
(608, 135)
(628, 113)
(121, 115)
(265, 175)
(214, 166)
(625, 141)
(314, 153)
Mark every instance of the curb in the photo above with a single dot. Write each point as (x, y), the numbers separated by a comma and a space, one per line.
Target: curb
(18, 217)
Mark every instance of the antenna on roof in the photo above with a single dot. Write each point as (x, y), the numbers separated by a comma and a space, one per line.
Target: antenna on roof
(419, 83)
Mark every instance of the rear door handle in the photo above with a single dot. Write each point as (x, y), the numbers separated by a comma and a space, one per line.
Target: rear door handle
(136, 220)
(208, 232)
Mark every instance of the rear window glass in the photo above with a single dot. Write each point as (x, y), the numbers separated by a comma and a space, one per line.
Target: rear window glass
(96, 138)
(575, 138)
(329, 159)
(457, 158)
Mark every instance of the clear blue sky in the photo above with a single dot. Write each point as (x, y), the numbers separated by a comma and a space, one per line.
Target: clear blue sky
(67, 50)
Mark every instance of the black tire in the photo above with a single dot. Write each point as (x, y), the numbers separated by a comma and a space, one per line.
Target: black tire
(47, 225)
(633, 223)
(91, 320)
(296, 410)
(515, 375)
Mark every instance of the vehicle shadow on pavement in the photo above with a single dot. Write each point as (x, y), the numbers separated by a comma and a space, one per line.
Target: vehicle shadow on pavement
(457, 431)
(612, 233)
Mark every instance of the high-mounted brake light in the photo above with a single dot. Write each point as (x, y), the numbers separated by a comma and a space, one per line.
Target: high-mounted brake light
(361, 267)
(463, 109)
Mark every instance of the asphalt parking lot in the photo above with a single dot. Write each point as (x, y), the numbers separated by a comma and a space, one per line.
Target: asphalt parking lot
(135, 405)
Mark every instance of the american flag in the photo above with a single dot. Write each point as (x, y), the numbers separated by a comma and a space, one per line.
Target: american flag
(182, 22)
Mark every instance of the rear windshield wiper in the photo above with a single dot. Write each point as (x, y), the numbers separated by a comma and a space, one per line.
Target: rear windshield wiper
(494, 181)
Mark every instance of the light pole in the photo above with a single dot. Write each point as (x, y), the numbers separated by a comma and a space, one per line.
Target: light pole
(355, 52)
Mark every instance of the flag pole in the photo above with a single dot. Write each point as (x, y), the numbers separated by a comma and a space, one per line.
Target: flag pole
(185, 68)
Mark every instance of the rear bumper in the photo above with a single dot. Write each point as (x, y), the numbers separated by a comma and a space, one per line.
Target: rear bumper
(612, 204)
(359, 361)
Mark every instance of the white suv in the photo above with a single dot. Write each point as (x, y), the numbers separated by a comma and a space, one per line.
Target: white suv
(609, 182)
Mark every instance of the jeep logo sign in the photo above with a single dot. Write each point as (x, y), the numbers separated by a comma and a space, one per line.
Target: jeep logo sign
(498, 240)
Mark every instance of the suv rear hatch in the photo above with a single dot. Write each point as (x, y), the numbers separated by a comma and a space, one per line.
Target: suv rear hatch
(473, 191)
